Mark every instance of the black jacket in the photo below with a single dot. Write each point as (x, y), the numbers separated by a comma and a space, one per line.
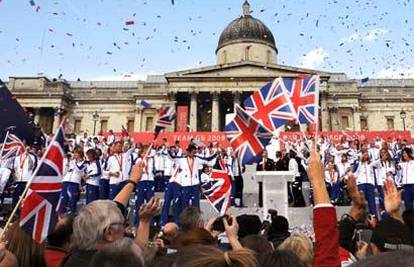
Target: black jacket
(268, 166)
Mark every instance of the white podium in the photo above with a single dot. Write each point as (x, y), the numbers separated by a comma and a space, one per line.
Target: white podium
(275, 191)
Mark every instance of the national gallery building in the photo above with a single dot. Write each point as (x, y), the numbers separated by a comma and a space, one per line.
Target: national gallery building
(246, 59)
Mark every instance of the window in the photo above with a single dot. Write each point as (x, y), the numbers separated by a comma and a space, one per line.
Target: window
(149, 124)
(104, 126)
(77, 127)
(130, 125)
(390, 123)
(247, 52)
(268, 57)
(344, 122)
(224, 57)
(364, 123)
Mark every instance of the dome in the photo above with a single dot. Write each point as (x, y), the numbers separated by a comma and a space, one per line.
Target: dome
(246, 29)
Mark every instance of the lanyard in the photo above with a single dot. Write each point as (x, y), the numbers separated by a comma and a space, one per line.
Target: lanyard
(191, 167)
(21, 162)
(119, 159)
(144, 161)
(24, 157)
(331, 174)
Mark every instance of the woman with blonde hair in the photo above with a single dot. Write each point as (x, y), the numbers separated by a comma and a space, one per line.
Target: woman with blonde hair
(301, 246)
(201, 255)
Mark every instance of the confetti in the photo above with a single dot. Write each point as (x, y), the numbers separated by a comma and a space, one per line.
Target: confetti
(32, 2)
(129, 22)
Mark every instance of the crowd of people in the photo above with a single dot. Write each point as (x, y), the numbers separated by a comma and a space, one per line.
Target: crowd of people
(110, 171)
(371, 162)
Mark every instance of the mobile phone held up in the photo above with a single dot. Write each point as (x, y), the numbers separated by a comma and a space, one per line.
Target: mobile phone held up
(218, 224)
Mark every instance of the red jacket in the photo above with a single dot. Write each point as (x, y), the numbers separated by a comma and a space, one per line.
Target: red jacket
(54, 256)
(326, 236)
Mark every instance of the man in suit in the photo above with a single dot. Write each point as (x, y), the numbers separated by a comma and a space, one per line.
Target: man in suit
(265, 164)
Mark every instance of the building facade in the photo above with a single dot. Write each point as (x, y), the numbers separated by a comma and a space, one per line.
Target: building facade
(246, 59)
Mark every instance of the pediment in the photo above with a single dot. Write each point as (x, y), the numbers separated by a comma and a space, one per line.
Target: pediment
(243, 69)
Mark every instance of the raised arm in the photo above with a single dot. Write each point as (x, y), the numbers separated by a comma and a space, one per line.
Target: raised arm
(124, 195)
(392, 200)
(324, 217)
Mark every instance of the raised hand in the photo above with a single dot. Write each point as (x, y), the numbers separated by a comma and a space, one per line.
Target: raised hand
(358, 199)
(148, 210)
(136, 172)
(316, 176)
(392, 199)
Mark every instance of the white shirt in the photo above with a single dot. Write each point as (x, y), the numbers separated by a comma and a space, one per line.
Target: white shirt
(93, 172)
(158, 161)
(75, 171)
(383, 170)
(7, 163)
(121, 163)
(331, 177)
(168, 166)
(24, 165)
(187, 174)
(343, 169)
(293, 166)
(365, 173)
(148, 169)
(407, 172)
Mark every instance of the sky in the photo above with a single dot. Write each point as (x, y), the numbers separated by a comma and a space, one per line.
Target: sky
(89, 39)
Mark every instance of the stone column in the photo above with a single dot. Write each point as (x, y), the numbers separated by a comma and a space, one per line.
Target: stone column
(356, 119)
(138, 119)
(326, 120)
(56, 120)
(36, 115)
(215, 112)
(236, 98)
(193, 111)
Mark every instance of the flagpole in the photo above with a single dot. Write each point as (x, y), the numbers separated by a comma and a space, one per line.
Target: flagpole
(4, 144)
(30, 182)
(317, 112)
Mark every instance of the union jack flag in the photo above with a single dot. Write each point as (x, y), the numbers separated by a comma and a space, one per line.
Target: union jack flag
(247, 137)
(270, 105)
(166, 117)
(217, 190)
(12, 147)
(304, 95)
(38, 215)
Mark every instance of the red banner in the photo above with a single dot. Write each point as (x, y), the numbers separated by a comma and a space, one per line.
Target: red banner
(184, 137)
(219, 137)
(349, 135)
(182, 117)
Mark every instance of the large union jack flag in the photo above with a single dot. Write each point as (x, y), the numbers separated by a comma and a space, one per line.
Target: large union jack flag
(12, 147)
(247, 137)
(166, 117)
(38, 215)
(270, 105)
(217, 190)
(304, 95)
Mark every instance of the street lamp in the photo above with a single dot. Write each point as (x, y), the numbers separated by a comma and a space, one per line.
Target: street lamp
(403, 115)
(95, 117)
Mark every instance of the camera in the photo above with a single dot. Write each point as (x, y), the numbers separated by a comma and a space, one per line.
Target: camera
(218, 224)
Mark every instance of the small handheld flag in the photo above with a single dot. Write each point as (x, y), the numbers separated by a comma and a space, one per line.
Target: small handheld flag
(270, 105)
(217, 190)
(247, 137)
(12, 147)
(304, 95)
(38, 215)
(166, 117)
